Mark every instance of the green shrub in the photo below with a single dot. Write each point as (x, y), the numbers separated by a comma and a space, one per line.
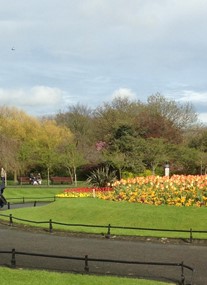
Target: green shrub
(102, 177)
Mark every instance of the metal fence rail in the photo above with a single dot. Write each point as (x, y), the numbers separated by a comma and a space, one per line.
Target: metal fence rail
(108, 227)
(23, 200)
(86, 260)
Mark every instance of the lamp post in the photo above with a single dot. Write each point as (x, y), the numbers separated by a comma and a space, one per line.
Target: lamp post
(167, 169)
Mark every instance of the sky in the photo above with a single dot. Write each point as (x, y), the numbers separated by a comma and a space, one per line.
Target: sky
(57, 53)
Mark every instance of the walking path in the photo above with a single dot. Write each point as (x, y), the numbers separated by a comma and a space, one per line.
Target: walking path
(41, 242)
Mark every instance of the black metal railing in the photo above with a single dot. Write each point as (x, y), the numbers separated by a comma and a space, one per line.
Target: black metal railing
(23, 200)
(86, 262)
(108, 227)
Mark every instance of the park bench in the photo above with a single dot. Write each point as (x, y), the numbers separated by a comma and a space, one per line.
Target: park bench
(24, 179)
(60, 179)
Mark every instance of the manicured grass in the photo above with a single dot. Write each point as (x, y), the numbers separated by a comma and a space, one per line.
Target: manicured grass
(35, 277)
(92, 211)
(33, 191)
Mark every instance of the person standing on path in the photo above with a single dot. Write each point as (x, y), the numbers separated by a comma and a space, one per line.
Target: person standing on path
(3, 175)
(2, 187)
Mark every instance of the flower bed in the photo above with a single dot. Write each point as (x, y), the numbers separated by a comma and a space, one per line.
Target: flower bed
(83, 192)
(179, 190)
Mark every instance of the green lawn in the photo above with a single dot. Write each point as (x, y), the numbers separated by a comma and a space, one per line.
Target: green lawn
(33, 191)
(80, 210)
(92, 211)
(35, 277)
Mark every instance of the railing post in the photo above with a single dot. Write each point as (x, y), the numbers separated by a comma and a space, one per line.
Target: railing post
(35, 202)
(182, 274)
(8, 204)
(50, 225)
(191, 236)
(10, 220)
(23, 200)
(86, 268)
(109, 231)
(13, 259)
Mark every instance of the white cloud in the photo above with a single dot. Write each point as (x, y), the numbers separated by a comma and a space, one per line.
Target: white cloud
(45, 95)
(198, 99)
(89, 48)
(124, 92)
(203, 117)
(192, 96)
(35, 99)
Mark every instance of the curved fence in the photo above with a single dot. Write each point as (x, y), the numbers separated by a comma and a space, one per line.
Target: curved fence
(23, 200)
(35, 201)
(86, 261)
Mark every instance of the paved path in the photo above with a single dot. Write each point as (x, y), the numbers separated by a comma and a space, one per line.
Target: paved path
(100, 247)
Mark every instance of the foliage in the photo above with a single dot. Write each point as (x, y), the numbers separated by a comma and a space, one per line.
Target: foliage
(146, 173)
(184, 160)
(70, 157)
(78, 119)
(19, 133)
(116, 159)
(102, 177)
(180, 115)
(125, 151)
(199, 143)
(110, 116)
(155, 153)
(151, 124)
(136, 137)
(49, 140)
(127, 174)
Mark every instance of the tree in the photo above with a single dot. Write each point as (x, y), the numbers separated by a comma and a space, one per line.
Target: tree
(155, 153)
(185, 160)
(136, 136)
(124, 151)
(79, 120)
(49, 143)
(109, 117)
(71, 157)
(154, 125)
(199, 142)
(18, 134)
(182, 116)
(116, 159)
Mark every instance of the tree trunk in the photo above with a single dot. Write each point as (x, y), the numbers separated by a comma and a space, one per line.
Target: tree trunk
(15, 176)
(75, 176)
(48, 176)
